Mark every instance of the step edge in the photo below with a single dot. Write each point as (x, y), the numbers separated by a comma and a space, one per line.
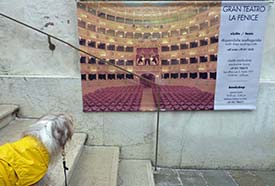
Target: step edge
(150, 174)
(8, 115)
(76, 159)
(9, 112)
(115, 168)
(90, 147)
(13, 108)
(115, 164)
(148, 167)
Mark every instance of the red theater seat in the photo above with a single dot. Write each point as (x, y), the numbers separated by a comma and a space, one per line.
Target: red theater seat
(109, 99)
(183, 98)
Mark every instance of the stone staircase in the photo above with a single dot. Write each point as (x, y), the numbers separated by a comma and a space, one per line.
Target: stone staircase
(88, 165)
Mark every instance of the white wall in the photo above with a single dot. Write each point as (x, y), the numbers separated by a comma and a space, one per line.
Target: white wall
(42, 81)
(25, 52)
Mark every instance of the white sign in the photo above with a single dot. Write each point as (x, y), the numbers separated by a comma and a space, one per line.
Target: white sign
(240, 54)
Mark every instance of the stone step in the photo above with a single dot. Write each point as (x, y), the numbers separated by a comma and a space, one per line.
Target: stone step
(135, 173)
(7, 114)
(13, 132)
(73, 152)
(97, 166)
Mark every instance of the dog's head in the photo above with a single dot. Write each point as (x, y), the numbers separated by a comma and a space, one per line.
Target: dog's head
(53, 130)
(61, 127)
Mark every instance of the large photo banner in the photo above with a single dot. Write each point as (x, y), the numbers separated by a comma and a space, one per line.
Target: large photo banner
(180, 55)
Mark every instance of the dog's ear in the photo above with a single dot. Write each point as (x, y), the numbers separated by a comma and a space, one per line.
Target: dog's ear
(62, 129)
(68, 123)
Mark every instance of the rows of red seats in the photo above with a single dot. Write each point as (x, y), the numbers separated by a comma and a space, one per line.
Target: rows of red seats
(183, 98)
(126, 98)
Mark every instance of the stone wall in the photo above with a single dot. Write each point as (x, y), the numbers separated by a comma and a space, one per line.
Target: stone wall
(42, 81)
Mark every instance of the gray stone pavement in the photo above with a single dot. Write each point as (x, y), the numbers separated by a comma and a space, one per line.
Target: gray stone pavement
(186, 177)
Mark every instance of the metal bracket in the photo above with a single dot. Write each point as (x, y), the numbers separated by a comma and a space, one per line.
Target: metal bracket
(51, 45)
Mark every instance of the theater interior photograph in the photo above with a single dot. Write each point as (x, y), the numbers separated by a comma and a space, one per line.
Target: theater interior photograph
(172, 47)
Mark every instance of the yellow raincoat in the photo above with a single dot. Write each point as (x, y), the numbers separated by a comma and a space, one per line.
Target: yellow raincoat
(23, 163)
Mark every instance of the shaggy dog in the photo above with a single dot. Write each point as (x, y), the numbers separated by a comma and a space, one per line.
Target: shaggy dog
(25, 162)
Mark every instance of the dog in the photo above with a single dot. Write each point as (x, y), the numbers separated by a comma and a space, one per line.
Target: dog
(26, 161)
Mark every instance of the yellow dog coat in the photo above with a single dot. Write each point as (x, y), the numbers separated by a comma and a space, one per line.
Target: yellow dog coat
(23, 163)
